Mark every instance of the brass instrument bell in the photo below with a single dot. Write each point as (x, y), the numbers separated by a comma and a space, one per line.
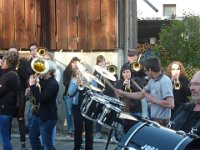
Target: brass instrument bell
(176, 84)
(112, 69)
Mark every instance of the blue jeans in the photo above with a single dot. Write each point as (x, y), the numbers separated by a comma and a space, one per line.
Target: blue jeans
(5, 131)
(30, 114)
(43, 128)
(68, 104)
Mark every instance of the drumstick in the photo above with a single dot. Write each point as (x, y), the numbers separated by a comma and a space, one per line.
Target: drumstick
(135, 83)
(109, 84)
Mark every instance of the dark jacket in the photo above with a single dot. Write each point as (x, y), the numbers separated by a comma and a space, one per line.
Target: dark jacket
(67, 74)
(46, 98)
(9, 92)
(180, 96)
(24, 71)
(131, 104)
(185, 118)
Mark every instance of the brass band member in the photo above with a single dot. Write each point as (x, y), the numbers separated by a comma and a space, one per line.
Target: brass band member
(158, 92)
(181, 90)
(132, 106)
(45, 118)
(133, 57)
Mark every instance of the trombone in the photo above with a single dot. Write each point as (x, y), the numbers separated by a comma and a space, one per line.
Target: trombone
(136, 66)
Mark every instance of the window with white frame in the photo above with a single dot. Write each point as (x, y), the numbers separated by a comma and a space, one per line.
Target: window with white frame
(169, 10)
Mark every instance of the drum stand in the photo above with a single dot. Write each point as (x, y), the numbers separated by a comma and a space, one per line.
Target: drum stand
(109, 137)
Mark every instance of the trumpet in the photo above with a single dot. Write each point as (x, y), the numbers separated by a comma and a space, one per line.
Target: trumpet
(128, 87)
(136, 66)
(177, 84)
(41, 52)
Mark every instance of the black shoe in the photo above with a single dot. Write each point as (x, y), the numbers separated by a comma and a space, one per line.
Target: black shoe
(23, 146)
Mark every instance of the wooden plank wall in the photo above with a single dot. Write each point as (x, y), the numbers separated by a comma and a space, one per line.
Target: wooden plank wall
(59, 24)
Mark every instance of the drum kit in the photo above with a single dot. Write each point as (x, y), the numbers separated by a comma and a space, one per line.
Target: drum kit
(107, 110)
(96, 106)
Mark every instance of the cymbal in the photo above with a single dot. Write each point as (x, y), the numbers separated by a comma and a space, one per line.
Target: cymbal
(83, 71)
(95, 88)
(88, 76)
(105, 73)
(97, 80)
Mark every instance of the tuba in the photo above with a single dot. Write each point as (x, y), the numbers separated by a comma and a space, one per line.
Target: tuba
(136, 66)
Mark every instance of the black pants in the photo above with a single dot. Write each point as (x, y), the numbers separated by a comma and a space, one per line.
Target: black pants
(79, 122)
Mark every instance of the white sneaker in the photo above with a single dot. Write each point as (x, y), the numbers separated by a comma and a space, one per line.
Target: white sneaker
(98, 135)
(113, 140)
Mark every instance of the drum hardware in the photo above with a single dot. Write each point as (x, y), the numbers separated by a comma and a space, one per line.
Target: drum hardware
(170, 124)
(193, 130)
(124, 115)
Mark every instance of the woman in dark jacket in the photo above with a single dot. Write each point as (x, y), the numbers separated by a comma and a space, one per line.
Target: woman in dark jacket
(181, 91)
(9, 95)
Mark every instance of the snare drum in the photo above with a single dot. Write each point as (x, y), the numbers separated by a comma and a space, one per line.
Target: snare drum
(114, 101)
(148, 136)
(92, 107)
(109, 116)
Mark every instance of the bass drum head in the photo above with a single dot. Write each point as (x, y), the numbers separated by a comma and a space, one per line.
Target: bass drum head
(147, 136)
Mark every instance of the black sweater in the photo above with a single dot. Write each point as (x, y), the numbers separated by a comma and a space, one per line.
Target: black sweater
(9, 92)
(47, 98)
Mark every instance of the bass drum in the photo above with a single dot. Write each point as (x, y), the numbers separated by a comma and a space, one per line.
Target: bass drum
(152, 136)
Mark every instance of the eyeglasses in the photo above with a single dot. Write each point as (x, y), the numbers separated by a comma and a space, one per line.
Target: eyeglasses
(194, 84)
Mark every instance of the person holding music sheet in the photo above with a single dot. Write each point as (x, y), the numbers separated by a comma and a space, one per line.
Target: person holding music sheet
(77, 93)
(68, 73)
(181, 90)
(9, 96)
(100, 61)
(187, 116)
(158, 91)
(132, 106)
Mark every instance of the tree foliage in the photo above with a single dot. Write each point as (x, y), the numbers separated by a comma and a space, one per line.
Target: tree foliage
(180, 40)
